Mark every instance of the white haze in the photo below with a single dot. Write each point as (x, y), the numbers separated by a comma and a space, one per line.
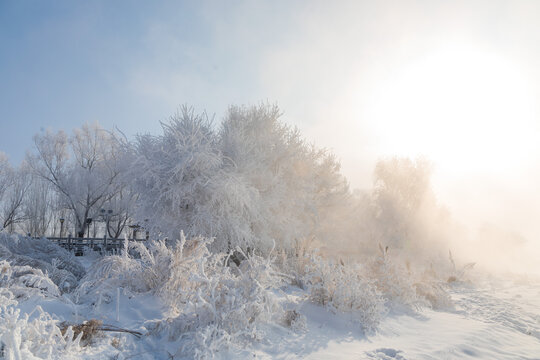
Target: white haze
(455, 82)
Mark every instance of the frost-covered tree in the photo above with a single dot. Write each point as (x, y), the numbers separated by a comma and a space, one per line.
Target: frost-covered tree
(5, 171)
(122, 205)
(174, 175)
(84, 169)
(254, 181)
(13, 185)
(296, 184)
(401, 192)
(39, 207)
(11, 209)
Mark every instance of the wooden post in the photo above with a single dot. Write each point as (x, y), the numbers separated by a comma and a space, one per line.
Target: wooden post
(105, 243)
(69, 242)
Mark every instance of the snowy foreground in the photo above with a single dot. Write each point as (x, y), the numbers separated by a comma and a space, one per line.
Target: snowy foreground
(499, 320)
(489, 318)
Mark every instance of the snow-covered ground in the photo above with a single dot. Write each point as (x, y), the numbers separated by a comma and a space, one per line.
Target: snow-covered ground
(496, 320)
(492, 318)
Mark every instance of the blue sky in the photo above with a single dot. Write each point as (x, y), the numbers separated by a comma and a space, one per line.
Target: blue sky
(122, 63)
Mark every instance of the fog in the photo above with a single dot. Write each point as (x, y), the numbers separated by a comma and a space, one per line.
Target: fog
(455, 83)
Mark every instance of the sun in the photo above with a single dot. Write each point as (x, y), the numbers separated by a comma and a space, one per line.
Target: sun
(465, 109)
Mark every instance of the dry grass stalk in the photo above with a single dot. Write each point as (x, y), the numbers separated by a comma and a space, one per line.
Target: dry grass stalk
(91, 329)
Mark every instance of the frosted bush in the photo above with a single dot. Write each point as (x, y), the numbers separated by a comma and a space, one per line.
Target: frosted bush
(295, 262)
(435, 294)
(107, 275)
(154, 258)
(394, 282)
(44, 250)
(215, 306)
(212, 306)
(60, 265)
(342, 288)
(64, 279)
(455, 273)
(25, 281)
(296, 321)
(139, 269)
(37, 338)
(37, 334)
(403, 288)
(30, 336)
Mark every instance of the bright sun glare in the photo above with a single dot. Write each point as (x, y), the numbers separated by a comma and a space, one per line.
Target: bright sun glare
(468, 111)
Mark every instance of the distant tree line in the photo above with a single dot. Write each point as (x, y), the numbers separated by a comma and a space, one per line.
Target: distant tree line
(250, 181)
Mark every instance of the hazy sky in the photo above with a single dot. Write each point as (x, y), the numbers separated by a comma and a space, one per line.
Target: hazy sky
(456, 81)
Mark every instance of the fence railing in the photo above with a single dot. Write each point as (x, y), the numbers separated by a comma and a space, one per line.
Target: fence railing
(78, 245)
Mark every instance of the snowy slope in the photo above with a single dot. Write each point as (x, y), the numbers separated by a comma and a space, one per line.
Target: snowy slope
(492, 321)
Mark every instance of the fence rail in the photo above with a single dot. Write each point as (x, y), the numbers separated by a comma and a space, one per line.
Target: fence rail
(77, 245)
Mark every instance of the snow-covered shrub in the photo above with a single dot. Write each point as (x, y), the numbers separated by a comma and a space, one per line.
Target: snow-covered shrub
(107, 275)
(215, 306)
(154, 257)
(403, 287)
(455, 273)
(393, 281)
(26, 336)
(45, 250)
(340, 287)
(212, 305)
(295, 320)
(25, 281)
(64, 279)
(435, 294)
(139, 269)
(343, 288)
(61, 266)
(296, 261)
(35, 335)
